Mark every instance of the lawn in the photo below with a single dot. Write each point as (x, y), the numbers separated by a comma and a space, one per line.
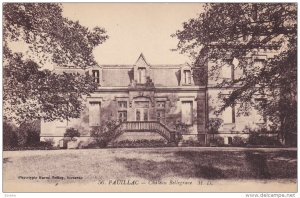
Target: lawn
(152, 164)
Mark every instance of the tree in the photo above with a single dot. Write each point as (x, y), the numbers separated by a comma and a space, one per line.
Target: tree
(237, 29)
(31, 92)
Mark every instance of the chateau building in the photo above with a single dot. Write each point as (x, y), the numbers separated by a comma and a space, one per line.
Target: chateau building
(148, 100)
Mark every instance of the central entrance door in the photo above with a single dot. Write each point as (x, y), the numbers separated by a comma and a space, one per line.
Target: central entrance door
(142, 111)
(142, 114)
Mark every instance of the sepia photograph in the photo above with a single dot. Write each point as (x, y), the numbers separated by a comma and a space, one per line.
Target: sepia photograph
(149, 97)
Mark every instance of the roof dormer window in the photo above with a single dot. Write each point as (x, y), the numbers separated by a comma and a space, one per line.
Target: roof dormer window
(187, 77)
(96, 76)
(141, 75)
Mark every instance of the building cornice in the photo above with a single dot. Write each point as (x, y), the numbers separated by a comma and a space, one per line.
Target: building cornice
(156, 89)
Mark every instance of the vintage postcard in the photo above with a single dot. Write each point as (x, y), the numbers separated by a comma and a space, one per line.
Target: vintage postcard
(150, 97)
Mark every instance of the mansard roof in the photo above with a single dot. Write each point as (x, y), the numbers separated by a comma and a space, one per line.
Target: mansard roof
(120, 75)
(141, 61)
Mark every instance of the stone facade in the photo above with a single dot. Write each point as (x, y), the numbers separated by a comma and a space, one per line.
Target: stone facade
(139, 92)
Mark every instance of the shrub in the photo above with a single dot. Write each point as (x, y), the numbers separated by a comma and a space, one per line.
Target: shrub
(28, 133)
(71, 133)
(238, 141)
(10, 138)
(256, 138)
(49, 142)
(260, 137)
(139, 143)
(190, 142)
(105, 133)
(218, 141)
(180, 128)
(213, 128)
(214, 125)
(38, 146)
(88, 145)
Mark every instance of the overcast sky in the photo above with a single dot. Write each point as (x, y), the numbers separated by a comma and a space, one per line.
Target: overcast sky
(134, 28)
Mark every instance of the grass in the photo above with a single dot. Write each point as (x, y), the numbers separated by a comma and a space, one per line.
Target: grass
(152, 164)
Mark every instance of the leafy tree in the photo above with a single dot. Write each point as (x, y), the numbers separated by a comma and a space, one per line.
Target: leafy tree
(31, 92)
(228, 31)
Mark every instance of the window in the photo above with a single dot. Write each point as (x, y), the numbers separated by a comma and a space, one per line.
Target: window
(141, 114)
(160, 115)
(142, 75)
(94, 113)
(187, 77)
(160, 104)
(138, 115)
(96, 76)
(122, 104)
(145, 114)
(122, 116)
(186, 112)
(229, 115)
(228, 70)
(160, 112)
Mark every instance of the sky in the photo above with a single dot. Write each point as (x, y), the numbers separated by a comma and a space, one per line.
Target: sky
(135, 28)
